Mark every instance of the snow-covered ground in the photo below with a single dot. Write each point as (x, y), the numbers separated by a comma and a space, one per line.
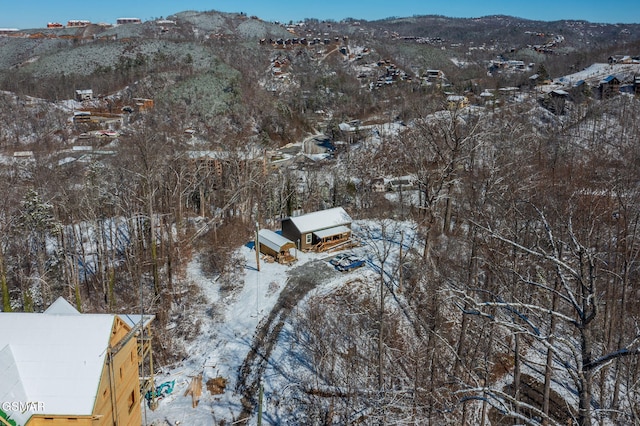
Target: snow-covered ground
(228, 326)
(593, 74)
(222, 344)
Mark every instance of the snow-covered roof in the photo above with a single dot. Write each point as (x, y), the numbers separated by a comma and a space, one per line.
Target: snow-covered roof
(133, 320)
(608, 79)
(346, 127)
(55, 358)
(321, 220)
(273, 240)
(11, 380)
(61, 307)
(337, 230)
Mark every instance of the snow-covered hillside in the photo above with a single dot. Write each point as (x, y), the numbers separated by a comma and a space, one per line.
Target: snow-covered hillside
(229, 327)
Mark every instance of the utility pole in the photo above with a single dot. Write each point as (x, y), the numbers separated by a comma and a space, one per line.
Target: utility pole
(257, 248)
(261, 392)
(401, 262)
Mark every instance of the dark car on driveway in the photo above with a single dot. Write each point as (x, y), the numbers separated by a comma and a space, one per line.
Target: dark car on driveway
(349, 263)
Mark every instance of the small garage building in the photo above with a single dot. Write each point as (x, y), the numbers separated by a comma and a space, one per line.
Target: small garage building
(276, 246)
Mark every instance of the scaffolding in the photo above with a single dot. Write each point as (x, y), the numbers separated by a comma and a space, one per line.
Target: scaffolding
(141, 330)
(145, 357)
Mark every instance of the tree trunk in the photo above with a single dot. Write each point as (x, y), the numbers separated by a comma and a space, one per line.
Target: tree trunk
(549, 364)
(585, 379)
(621, 320)
(4, 288)
(380, 332)
(516, 375)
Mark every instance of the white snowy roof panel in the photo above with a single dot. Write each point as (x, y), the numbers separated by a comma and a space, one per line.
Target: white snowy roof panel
(58, 357)
(11, 387)
(345, 127)
(273, 240)
(321, 220)
(61, 307)
(332, 231)
(134, 319)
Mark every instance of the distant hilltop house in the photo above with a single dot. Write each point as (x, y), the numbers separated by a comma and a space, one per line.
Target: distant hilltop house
(456, 102)
(82, 117)
(555, 100)
(123, 21)
(143, 104)
(434, 76)
(609, 86)
(84, 95)
(402, 183)
(54, 25)
(622, 59)
(74, 368)
(500, 65)
(76, 23)
(318, 231)
(23, 154)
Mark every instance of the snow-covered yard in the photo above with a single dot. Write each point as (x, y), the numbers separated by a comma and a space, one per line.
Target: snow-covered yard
(231, 326)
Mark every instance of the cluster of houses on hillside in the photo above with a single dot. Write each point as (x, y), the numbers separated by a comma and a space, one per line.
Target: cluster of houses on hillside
(79, 23)
(624, 59)
(622, 77)
(550, 46)
(301, 41)
(498, 65)
(380, 73)
(89, 111)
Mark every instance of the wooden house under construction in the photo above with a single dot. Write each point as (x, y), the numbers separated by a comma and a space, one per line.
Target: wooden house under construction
(72, 368)
(319, 231)
(275, 245)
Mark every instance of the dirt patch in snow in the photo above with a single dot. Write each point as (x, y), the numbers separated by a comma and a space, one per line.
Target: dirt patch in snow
(216, 386)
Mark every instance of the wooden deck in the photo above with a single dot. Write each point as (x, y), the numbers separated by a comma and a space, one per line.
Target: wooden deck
(332, 245)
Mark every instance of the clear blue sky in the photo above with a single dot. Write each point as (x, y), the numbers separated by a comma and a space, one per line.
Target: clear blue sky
(36, 13)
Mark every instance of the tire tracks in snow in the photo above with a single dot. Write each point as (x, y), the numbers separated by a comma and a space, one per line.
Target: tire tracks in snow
(301, 280)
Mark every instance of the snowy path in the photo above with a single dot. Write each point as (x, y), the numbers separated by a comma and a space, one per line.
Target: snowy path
(237, 333)
(302, 280)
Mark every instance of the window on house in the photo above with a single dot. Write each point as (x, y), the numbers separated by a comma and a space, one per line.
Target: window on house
(309, 238)
(132, 400)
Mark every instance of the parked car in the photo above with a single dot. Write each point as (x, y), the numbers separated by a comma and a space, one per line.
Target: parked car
(334, 261)
(349, 263)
